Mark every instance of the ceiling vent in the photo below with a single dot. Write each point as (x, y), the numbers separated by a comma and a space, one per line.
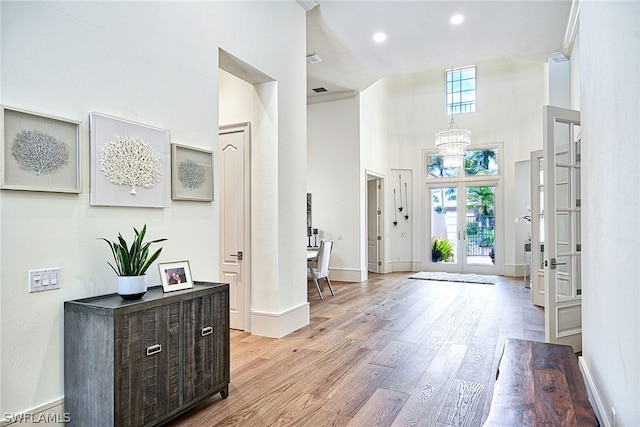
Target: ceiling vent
(314, 58)
(319, 90)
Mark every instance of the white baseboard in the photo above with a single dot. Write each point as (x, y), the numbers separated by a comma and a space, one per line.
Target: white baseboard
(277, 325)
(594, 396)
(513, 270)
(50, 414)
(356, 275)
(398, 266)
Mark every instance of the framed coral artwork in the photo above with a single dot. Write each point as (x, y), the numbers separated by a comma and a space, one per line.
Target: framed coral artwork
(129, 164)
(39, 152)
(191, 174)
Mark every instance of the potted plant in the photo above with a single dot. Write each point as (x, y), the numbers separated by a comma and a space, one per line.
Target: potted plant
(435, 251)
(441, 250)
(132, 262)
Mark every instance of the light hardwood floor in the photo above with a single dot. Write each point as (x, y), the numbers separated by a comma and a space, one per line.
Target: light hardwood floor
(391, 351)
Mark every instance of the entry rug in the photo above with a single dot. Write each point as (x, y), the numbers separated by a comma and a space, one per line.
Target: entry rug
(456, 277)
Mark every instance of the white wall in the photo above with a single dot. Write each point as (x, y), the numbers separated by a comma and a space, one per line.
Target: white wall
(399, 117)
(155, 63)
(374, 152)
(510, 96)
(336, 185)
(610, 104)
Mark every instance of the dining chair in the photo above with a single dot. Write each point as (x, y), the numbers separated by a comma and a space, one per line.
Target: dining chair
(321, 269)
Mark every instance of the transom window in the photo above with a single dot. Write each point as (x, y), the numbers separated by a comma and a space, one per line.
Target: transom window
(476, 162)
(461, 90)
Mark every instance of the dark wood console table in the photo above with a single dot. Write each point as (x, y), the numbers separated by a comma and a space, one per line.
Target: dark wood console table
(143, 362)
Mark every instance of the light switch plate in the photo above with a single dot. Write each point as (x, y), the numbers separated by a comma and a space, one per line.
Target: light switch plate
(44, 279)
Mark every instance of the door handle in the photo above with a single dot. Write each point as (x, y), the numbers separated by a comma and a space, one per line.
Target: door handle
(153, 349)
(238, 255)
(554, 263)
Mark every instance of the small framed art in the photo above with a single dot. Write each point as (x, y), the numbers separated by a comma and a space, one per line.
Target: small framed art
(175, 276)
(39, 152)
(191, 174)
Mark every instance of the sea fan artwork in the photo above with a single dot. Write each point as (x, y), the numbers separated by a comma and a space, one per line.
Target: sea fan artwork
(132, 162)
(37, 151)
(191, 174)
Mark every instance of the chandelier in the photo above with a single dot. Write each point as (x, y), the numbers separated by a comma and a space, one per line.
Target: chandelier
(451, 144)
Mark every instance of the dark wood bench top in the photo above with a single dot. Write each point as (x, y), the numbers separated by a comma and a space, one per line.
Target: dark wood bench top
(539, 384)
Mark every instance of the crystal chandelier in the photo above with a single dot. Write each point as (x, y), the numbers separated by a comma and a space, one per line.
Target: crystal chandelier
(451, 144)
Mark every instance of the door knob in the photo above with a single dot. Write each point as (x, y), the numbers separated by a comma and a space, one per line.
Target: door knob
(238, 255)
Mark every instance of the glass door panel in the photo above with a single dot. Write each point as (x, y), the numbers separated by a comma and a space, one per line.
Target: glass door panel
(444, 225)
(480, 225)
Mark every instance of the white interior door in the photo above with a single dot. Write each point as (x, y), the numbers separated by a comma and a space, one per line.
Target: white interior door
(562, 237)
(235, 253)
(537, 228)
(374, 226)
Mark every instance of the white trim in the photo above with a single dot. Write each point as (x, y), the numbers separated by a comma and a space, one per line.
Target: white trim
(348, 274)
(594, 396)
(278, 325)
(572, 29)
(331, 97)
(407, 266)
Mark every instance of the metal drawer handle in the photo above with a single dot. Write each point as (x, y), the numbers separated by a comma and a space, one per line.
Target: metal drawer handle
(206, 331)
(151, 350)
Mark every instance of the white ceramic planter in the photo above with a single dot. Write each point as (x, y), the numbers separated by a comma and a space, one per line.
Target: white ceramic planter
(132, 287)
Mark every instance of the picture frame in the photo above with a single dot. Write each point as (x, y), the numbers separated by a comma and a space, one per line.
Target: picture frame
(39, 152)
(117, 147)
(175, 276)
(191, 174)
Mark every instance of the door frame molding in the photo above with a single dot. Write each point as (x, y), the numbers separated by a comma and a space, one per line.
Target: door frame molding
(383, 232)
(245, 129)
(428, 183)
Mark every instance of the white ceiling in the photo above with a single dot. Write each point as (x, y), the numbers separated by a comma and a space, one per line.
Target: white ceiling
(420, 37)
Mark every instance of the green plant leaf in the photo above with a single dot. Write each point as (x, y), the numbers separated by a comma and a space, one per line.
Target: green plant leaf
(133, 260)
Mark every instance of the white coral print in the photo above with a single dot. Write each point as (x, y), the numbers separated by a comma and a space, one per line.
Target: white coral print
(130, 161)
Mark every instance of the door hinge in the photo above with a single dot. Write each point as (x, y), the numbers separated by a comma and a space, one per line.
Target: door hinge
(378, 237)
(379, 263)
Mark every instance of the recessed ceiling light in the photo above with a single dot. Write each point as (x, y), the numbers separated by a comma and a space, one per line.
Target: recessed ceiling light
(457, 19)
(379, 37)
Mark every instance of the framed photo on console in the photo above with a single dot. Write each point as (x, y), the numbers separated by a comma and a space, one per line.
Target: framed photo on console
(175, 276)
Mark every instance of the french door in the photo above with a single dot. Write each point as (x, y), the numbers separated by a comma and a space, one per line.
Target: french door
(537, 228)
(462, 230)
(562, 234)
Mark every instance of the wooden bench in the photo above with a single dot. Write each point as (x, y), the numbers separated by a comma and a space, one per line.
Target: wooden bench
(539, 384)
